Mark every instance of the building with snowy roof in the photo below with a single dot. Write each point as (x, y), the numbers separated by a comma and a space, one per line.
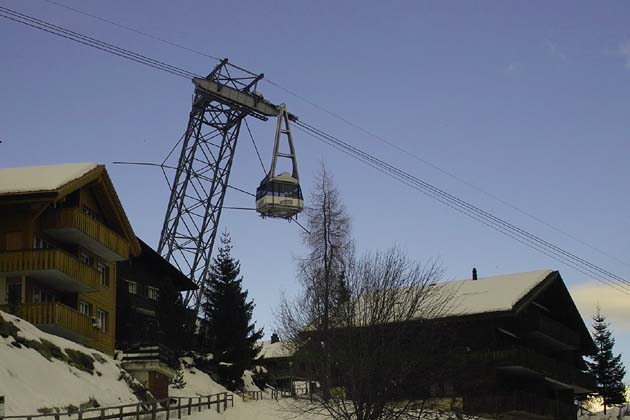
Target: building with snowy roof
(510, 346)
(62, 230)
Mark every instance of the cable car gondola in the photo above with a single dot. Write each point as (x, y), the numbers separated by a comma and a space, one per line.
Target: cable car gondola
(280, 196)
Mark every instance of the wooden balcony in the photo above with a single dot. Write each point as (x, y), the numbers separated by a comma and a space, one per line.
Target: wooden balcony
(57, 319)
(72, 226)
(552, 332)
(52, 267)
(518, 405)
(526, 361)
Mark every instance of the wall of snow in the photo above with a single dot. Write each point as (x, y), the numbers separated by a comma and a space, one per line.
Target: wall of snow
(29, 381)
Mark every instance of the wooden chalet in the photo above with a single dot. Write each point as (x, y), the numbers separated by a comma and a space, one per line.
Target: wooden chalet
(523, 342)
(147, 286)
(62, 230)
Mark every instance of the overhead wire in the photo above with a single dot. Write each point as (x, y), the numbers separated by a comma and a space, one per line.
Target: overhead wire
(60, 31)
(470, 210)
(462, 206)
(360, 128)
(251, 136)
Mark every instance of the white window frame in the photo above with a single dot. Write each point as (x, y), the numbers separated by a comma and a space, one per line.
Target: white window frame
(103, 273)
(84, 305)
(153, 293)
(132, 287)
(103, 317)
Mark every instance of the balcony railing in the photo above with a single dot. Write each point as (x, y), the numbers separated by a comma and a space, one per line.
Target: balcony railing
(544, 365)
(496, 404)
(54, 267)
(56, 318)
(542, 324)
(73, 225)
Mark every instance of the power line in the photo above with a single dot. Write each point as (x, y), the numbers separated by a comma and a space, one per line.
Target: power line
(435, 192)
(470, 210)
(358, 127)
(137, 31)
(255, 147)
(93, 42)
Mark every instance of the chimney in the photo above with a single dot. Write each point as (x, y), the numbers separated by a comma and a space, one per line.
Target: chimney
(474, 273)
(274, 338)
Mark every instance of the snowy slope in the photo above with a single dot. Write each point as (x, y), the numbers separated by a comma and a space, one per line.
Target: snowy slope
(29, 381)
(197, 382)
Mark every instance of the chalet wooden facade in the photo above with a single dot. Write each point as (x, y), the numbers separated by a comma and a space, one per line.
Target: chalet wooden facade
(147, 286)
(62, 231)
(508, 347)
(522, 340)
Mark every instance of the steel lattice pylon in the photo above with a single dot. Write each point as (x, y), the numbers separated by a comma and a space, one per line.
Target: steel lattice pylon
(221, 101)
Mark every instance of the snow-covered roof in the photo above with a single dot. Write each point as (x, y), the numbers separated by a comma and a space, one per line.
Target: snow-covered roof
(32, 179)
(492, 294)
(269, 350)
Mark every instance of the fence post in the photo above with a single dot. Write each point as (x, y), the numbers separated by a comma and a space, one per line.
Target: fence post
(199, 405)
(137, 411)
(120, 413)
(168, 409)
(102, 416)
(224, 401)
(153, 410)
(209, 406)
(189, 405)
(56, 416)
(218, 403)
(80, 414)
(179, 408)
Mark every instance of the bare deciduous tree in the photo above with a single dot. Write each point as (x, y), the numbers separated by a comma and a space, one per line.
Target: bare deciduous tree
(367, 329)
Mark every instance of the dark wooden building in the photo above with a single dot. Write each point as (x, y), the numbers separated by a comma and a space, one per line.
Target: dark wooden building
(150, 319)
(523, 342)
(508, 347)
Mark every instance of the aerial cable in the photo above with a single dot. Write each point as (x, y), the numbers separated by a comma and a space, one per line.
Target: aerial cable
(112, 49)
(251, 136)
(469, 207)
(92, 42)
(358, 127)
(129, 28)
(461, 206)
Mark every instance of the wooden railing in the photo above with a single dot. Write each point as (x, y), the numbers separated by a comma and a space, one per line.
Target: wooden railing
(533, 360)
(552, 328)
(49, 259)
(55, 314)
(172, 407)
(497, 404)
(74, 218)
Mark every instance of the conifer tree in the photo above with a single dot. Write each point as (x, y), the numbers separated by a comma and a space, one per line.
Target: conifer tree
(607, 369)
(230, 334)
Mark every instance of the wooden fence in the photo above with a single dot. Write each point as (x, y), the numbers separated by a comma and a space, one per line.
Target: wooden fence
(252, 395)
(172, 407)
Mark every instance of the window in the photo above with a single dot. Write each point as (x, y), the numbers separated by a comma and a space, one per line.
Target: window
(103, 319)
(85, 258)
(132, 287)
(103, 272)
(85, 308)
(153, 293)
(39, 243)
(91, 213)
(37, 295)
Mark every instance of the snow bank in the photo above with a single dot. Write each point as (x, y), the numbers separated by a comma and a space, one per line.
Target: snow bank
(197, 382)
(248, 381)
(29, 381)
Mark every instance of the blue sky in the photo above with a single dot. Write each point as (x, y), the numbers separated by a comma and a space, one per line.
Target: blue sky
(528, 101)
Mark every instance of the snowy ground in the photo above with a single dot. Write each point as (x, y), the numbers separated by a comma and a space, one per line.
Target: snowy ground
(29, 381)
